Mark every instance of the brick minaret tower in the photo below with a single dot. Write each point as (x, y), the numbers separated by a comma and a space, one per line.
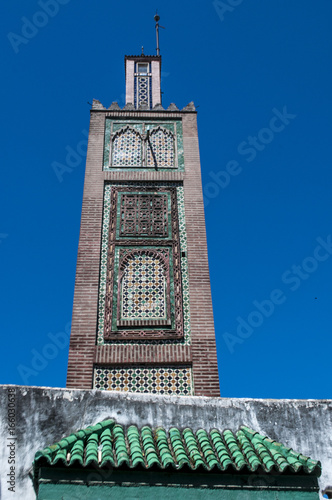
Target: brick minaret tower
(142, 315)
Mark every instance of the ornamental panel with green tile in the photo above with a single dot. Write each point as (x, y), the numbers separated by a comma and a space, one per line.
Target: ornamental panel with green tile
(103, 261)
(113, 306)
(172, 380)
(112, 243)
(143, 290)
(137, 144)
(127, 146)
(143, 215)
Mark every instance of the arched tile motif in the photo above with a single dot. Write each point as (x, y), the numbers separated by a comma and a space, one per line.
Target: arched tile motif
(127, 148)
(143, 287)
(160, 148)
(118, 244)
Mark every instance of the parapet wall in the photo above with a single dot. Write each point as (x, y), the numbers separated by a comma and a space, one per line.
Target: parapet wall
(44, 415)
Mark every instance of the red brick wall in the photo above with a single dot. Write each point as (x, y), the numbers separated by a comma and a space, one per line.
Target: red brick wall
(83, 352)
(83, 330)
(204, 355)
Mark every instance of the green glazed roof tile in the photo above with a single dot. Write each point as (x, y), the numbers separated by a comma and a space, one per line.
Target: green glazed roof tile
(107, 456)
(248, 451)
(60, 455)
(193, 451)
(120, 445)
(136, 452)
(91, 450)
(108, 443)
(180, 453)
(149, 446)
(206, 447)
(77, 452)
(220, 447)
(235, 449)
(163, 446)
(293, 461)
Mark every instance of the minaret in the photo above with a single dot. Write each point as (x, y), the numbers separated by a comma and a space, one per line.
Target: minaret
(142, 315)
(143, 81)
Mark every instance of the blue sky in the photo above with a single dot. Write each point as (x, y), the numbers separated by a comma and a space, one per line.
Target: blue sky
(260, 75)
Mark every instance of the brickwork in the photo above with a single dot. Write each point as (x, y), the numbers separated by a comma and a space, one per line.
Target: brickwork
(147, 353)
(155, 66)
(130, 81)
(156, 95)
(204, 355)
(84, 320)
(197, 350)
(83, 350)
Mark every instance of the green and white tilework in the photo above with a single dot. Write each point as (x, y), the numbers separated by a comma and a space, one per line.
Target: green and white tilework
(132, 147)
(184, 263)
(168, 380)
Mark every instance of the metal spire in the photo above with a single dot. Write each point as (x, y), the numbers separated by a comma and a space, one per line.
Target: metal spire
(156, 18)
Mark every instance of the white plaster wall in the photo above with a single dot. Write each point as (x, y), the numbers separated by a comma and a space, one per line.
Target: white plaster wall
(45, 415)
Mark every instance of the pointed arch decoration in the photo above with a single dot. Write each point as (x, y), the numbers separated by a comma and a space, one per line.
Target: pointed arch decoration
(143, 287)
(160, 148)
(166, 253)
(127, 148)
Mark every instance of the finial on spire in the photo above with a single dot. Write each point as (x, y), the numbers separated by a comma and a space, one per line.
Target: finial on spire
(142, 51)
(156, 18)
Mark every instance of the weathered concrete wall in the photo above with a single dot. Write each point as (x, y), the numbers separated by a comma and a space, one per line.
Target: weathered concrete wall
(45, 415)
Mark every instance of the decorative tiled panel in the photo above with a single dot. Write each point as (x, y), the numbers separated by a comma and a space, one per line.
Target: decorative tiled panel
(123, 255)
(172, 328)
(127, 148)
(143, 287)
(172, 380)
(142, 94)
(178, 294)
(137, 144)
(143, 215)
(160, 148)
(184, 264)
